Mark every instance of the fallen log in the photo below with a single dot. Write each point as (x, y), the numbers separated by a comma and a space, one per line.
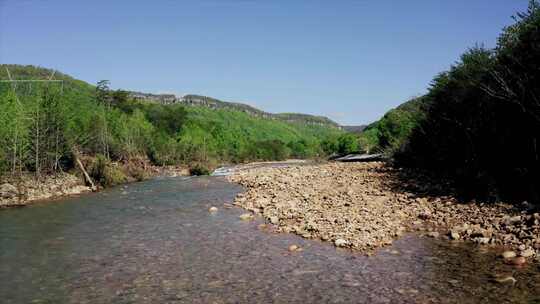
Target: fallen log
(81, 167)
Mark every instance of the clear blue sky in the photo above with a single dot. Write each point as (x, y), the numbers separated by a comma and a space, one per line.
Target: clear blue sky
(348, 60)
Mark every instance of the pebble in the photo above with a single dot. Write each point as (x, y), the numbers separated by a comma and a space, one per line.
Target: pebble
(482, 240)
(527, 253)
(274, 220)
(293, 248)
(433, 234)
(213, 209)
(454, 235)
(246, 216)
(341, 243)
(508, 254)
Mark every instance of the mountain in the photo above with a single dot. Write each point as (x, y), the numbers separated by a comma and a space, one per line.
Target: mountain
(213, 103)
(354, 129)
(27, 72)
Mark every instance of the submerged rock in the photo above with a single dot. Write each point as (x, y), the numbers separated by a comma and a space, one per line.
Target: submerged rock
(293, 248)
(518, 261)
(246, 216)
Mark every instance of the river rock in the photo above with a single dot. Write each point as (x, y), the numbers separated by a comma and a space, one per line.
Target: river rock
(246, 216)
(341, 243)
(454, 235)
(293, 248)
(433, 234)
(508, 254)
(511, 220)
(527, 253)
(274, 220)
(8, 191)
(359, 204)
(482, 240)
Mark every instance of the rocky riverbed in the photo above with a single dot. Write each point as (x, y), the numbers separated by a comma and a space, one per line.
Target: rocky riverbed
(365, 206)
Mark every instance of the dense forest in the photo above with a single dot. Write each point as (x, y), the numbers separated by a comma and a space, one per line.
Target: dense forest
(47, 124)
(479, 123)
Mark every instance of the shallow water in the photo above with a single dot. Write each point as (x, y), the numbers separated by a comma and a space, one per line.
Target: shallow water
(155, 242)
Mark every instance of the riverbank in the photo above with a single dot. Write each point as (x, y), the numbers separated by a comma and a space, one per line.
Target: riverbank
(365, 206)
(18, 191)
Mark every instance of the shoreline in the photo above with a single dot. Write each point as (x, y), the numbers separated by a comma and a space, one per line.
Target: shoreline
(366, 206)
(28, 189)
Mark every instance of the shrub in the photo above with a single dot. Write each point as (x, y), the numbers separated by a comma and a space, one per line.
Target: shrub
(104, 173)
(199, 169)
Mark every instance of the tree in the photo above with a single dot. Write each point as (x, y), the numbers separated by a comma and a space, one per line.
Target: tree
(103, 93)
(347, 143)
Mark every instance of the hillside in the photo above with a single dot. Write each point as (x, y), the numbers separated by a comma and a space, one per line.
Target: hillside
(45, 121)
(198, 100)
(392, 130)
(354, 129)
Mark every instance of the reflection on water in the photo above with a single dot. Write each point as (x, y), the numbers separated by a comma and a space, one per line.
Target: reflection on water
(155, 242)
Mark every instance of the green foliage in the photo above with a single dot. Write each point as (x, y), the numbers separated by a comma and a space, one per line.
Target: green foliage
(347, 143)
(482, 120)
(105, 173)
(199, 169)
(368, 140)
(392, 131)
(43, 123)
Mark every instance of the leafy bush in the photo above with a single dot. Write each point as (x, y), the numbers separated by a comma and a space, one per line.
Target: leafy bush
(347, 143)
(199, 169)
(103, 172)
(482, 121)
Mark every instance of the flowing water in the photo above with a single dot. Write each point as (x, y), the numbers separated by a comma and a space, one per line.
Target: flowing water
(156, 242)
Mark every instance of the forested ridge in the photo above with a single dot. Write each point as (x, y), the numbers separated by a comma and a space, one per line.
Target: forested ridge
(479, 123)
(46, 124)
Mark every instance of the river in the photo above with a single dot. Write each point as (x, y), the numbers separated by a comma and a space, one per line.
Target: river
(156, 242)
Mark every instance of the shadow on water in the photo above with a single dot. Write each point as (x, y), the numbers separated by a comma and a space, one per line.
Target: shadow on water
(156, 242)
